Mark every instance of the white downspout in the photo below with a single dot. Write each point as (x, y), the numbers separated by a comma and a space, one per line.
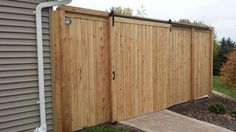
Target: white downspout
(43, 124)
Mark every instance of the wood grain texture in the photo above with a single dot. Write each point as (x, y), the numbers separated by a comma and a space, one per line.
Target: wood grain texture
(90, 76)
(56, 55)
(202, 49)
(111, 73)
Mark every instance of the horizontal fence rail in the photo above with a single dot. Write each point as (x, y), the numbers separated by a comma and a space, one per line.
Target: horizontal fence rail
(112, 67)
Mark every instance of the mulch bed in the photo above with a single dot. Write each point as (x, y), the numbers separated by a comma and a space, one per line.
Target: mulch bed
(116, 127)
(121, 127)
(199, 110)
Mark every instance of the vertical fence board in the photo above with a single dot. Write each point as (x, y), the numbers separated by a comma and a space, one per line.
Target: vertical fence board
(56, 55)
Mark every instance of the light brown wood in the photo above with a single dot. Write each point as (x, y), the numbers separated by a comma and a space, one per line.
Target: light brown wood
(91, 76)
(65, 74)
(56, 55)
(140, 22)
(211, 62)
(78, 10)
(86, 17)
(192, 64)
(202, 64)
(110, 73)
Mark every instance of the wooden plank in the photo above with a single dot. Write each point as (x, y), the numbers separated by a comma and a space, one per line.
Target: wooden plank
(79, 10)
(73, 67)
(192, 52)
(127, 73)
(121, 71)
(85, 77)
(66, 89)
(91, 71)
(140, 22)
(113, 72)
(107, 71)
(139, 61)
(135, 71)
(131, 66)
(211, 63)
(78, 110)
(86, 17)
(56, 58)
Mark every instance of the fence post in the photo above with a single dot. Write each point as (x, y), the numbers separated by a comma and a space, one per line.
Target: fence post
(211, 63)
(62, 99)
(56, 58)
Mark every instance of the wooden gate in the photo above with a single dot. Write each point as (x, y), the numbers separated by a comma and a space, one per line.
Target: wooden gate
(114, 68)
(133, 44)
(83, 60)
(151, 65)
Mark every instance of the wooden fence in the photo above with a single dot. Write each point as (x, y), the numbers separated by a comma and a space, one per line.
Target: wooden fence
(111, 68)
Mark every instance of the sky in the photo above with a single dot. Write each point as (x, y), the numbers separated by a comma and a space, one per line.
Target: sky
(217, 13)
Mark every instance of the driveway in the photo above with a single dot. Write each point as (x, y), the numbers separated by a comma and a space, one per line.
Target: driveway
(168, 121)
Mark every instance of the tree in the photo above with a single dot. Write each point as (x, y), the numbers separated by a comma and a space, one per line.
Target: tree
(216, 63)
(122, 11)
(228, 71)
(141, 12)
(128, 11)
(226, 46)
(195, 22)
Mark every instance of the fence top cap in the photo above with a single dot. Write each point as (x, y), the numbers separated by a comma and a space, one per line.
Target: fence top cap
(71, 9)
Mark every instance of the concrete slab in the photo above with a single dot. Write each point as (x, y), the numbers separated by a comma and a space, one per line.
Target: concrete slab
(168, 121)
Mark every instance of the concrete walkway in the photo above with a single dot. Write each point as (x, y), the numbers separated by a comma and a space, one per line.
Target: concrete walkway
(168, 121)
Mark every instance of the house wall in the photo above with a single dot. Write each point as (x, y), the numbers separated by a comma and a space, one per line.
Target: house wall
(19, 110)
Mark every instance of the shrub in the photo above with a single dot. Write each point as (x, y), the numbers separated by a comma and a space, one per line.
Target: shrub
(228, 71)
(217, 108)
(233, 114)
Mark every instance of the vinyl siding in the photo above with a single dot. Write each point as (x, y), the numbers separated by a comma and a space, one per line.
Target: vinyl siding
(19, 110)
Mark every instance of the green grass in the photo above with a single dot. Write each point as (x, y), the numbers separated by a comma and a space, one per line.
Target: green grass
(103, 129)
(221, 87)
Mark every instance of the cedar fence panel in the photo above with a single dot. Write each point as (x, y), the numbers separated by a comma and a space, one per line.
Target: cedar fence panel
(109, 69)
(84, 71)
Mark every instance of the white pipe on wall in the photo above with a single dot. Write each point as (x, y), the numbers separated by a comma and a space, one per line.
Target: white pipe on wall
(43, 124)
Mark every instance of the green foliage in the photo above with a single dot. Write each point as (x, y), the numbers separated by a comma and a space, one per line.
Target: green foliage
(217, 108)
(141, 12)
(233, 114)
(228, 70)
(216, 48)
(195, 22)
(186, 21)
(223, 88)
(122, 11)
(216, 62)
(226, 46)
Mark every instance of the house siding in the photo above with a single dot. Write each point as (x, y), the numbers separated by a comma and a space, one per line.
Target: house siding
(19, 110)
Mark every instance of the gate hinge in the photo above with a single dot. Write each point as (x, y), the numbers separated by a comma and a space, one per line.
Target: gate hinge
(170, 24)
(112, 14)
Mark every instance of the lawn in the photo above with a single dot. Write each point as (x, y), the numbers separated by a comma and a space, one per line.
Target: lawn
(220, 87)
